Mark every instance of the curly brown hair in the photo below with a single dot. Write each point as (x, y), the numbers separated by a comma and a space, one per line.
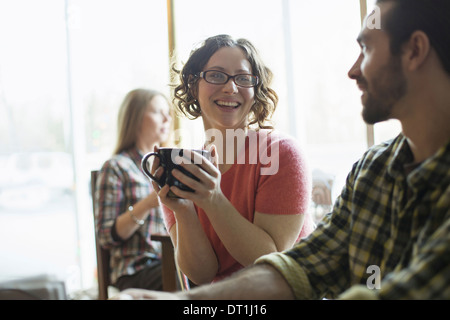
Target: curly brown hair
(185, 93)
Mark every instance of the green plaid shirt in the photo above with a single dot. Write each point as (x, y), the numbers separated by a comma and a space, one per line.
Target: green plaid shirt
(388, 217)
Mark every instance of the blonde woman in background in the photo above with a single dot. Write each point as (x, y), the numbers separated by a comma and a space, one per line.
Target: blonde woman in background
(127, 208)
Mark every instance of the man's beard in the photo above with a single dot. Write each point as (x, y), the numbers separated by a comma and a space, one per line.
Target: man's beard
(387, 87)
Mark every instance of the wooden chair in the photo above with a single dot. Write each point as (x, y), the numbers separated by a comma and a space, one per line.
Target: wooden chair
(170, 271)
(169, 267)
(103, 271)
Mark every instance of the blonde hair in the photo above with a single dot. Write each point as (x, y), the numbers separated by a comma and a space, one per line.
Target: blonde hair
(130, 117)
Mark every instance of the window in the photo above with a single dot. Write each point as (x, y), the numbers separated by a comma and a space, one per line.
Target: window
(328, 102)
(65, 67)
(37, 194)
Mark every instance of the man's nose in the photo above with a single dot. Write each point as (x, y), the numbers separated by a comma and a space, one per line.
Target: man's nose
(355, 70)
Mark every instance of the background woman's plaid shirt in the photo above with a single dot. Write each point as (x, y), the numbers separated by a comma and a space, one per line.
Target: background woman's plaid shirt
(122, 183)
(396, 220)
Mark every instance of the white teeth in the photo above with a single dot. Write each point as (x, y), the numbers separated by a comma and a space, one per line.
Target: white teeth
(227, 104)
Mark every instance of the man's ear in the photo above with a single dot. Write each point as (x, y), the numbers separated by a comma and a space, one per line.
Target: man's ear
(416, 50)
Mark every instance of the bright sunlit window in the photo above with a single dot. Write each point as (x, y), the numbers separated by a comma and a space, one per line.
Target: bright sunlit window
(65, 67)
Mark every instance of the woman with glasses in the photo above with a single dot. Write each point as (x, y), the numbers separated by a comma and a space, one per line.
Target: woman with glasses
(252, 199)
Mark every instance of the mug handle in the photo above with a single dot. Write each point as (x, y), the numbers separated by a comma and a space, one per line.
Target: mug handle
(144, 166)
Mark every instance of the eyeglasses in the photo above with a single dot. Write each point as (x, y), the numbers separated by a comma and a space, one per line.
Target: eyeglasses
(218, 77)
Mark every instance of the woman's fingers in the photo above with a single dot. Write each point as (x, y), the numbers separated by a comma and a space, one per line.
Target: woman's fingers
(188, 181)
(158, 173)
(198, 165)
(193, 166)
(163, 192)
(214, 156)
(155, 165)
(181, 193)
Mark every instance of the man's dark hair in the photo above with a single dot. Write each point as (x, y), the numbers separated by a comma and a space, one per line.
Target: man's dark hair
(430, 16)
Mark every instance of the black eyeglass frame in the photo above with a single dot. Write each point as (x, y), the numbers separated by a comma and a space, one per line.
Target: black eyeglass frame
(203, 76)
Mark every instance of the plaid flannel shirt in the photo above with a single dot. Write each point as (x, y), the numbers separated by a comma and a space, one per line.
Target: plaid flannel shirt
(385, 217)
(122, 183)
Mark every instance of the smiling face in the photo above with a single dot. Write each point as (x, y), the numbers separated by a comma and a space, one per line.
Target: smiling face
(378, 74)
(226, 106)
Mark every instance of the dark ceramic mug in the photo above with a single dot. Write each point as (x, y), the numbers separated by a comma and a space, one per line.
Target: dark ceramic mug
(167, 160)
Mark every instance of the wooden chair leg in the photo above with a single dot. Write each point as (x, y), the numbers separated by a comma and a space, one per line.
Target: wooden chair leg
(169, 270)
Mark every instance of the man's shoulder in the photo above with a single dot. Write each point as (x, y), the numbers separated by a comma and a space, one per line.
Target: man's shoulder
(384, 150)
(378, 158)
